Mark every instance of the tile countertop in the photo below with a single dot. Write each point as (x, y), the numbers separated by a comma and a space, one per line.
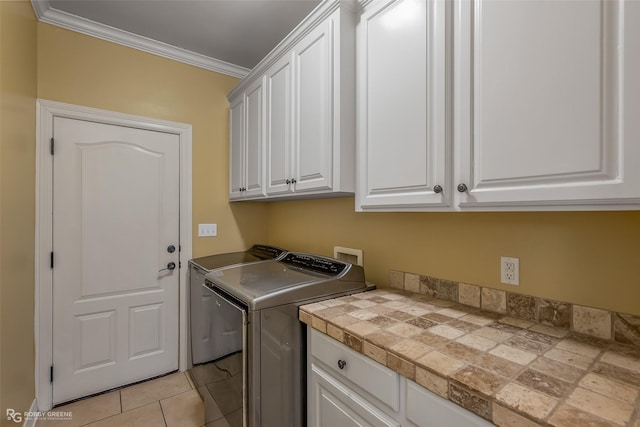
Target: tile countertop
(509, 371)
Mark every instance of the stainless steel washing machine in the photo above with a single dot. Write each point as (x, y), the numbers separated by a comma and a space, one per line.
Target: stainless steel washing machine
(214, 330)
(269, 383)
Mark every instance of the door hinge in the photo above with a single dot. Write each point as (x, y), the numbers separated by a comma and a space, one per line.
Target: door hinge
(51, 259)
(51, 146)
(51, 374)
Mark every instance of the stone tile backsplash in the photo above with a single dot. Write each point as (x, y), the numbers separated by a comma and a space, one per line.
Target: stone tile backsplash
(551, 315)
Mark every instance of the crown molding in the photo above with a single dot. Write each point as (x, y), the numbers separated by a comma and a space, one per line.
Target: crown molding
(45, 13)
(324, 9)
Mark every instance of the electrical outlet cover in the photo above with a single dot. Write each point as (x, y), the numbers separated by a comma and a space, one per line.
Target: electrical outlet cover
(510, 271)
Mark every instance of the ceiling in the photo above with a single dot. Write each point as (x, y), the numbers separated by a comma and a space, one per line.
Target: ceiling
(229, 36)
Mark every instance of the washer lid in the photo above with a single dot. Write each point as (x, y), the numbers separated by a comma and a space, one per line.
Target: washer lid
(295, 278)
(255, 254)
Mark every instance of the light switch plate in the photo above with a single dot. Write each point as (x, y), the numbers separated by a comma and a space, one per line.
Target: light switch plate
(207, 230)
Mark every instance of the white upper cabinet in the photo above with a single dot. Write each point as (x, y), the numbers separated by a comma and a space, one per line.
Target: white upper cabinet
(279, 149)
(247, 143)
(313, 150)
(506, 105)
(309, 147)
(237, 147)
(402, 157)
(547, 103)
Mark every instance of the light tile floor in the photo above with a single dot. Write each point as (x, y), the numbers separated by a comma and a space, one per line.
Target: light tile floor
(168, 401)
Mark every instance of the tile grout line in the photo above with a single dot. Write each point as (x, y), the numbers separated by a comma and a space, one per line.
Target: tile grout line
(163, 416)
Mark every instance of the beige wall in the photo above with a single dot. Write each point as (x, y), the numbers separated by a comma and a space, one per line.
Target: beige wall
(588, 258)
(17, 209)
(83, 70)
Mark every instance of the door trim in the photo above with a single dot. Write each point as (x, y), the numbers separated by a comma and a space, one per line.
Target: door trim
(45, 112)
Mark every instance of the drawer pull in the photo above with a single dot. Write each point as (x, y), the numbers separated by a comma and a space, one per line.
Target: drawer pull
(341, 364)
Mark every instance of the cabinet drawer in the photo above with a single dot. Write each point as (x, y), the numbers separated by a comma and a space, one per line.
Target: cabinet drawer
(378, 380)
(424, 408)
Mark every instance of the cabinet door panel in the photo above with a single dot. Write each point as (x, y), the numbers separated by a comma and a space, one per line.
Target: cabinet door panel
(236, 151)
(255, 138)
(424, 408)
(314, 91)
(279, 161)
(332, 404)
(546, 82)
(401, 99)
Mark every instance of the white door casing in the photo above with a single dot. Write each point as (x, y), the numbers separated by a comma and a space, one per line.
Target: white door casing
(131, 331)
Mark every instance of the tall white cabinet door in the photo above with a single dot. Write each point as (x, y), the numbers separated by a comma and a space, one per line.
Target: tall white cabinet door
(254, 142)
(547, 103)
(236, 151)
(313, 149)
(402, 151)
(279, 126)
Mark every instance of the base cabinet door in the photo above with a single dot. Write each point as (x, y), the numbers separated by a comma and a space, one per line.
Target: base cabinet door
(425, 409)
(332, 404)
(547, 103)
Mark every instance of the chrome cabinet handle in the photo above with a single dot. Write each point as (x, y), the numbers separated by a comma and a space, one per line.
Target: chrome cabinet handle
(462, 188)
(437, 189)
(170, 266)
(342, 364)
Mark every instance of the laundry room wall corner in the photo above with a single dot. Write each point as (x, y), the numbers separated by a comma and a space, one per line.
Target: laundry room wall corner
(18, 86)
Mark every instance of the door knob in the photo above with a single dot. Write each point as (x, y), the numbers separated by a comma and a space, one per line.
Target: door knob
(170, 266)
(171, 249)
(462, 188)
(437, 189)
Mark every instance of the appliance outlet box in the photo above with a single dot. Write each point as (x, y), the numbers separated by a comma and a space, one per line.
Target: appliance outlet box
(207, 230)
(510, 271)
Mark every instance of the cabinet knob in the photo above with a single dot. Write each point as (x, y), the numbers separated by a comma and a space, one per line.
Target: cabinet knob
(341, 364)
(287, 181)
(462, 188)
(437, 189)
(293, 180)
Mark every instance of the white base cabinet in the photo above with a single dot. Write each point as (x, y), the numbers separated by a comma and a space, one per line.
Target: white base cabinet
(345, 388)
(498, 105)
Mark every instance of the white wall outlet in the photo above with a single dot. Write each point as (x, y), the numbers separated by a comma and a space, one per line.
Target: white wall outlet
(207, 230)
(510, 271)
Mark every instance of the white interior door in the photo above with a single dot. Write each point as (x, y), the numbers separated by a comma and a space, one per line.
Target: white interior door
(115, 213)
